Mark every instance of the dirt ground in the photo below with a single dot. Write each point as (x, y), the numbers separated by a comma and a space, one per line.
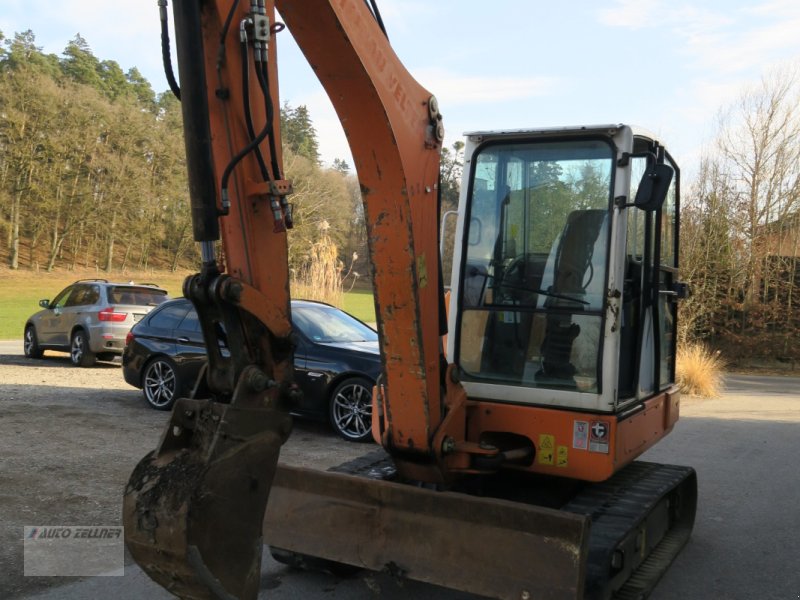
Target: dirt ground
(69, 439)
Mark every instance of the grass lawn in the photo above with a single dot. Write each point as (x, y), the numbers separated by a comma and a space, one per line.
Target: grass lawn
(20, 292)
(361, 305)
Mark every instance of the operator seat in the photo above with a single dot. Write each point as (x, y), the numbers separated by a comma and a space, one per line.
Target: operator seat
(571, 274)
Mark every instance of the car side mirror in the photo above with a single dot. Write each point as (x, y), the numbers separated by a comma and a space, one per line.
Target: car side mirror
(653, 187)
(44, 303)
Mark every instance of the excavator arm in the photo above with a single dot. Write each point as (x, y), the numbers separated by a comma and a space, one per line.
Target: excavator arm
(193, 508)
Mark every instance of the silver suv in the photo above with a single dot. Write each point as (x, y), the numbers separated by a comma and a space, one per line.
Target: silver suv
(90, 319)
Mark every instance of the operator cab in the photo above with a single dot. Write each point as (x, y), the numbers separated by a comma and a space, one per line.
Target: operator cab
(565, 278)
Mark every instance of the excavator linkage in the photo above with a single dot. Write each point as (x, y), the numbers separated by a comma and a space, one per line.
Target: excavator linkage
(609, 540)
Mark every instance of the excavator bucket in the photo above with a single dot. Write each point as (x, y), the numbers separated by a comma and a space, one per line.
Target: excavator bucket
(487, 546)
(193, 508)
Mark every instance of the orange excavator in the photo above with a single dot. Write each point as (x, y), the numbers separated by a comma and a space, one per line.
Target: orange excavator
(510, 410)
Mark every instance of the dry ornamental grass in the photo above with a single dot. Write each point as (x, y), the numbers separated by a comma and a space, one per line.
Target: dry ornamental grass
(699, 371)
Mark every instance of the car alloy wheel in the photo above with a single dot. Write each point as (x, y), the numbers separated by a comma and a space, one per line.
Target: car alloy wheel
(160, 384)
(79, 352)
(30, 343)
(351, 409)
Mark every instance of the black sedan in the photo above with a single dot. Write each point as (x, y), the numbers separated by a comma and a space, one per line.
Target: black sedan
(336, 361)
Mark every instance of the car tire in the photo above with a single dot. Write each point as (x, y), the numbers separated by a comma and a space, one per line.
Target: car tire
(350, 409)
(30, 343)
(161, 383)
(79, 352)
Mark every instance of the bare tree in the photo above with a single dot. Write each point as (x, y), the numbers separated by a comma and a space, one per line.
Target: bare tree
(742, 215)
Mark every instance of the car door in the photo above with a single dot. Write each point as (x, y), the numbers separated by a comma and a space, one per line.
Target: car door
(52, 330)
(190, 355)
(313, 371)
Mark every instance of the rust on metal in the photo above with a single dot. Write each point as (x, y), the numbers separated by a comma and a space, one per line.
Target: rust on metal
(435, 537)
(193, 508)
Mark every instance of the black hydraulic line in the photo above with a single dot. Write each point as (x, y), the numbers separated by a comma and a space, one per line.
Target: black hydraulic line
(263, 80)
(228, 21)
(239, 156)
(165, 54)
(248, 117)
(373, 6)
(197, 131)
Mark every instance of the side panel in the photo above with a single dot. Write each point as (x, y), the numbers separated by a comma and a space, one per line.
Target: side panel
(578, 445)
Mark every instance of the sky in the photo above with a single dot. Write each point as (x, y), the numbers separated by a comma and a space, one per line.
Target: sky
(666, 65)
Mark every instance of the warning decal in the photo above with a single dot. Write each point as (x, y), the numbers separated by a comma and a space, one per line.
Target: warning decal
(598, 437)
(580, 435)
(562, 456)
(547, 444)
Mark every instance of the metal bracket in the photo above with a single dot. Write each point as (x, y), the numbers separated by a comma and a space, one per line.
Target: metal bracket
(261, 28)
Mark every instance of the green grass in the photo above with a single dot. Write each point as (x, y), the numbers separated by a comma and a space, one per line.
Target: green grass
(20, 292)
(360, 305)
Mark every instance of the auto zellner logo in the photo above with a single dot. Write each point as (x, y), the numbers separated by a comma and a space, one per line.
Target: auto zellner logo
(87, 533)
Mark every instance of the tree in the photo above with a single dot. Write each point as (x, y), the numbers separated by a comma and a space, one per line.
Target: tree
(450, 169)
(86, 176)
(22, 52)
(341, 166)
(738, 234)
(112, 79)
(298, 132)
(141, 88)
(80, 64)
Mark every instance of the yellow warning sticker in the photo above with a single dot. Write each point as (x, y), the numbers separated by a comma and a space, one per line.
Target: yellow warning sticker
(422, 271)
(562, 456)
(547, 445)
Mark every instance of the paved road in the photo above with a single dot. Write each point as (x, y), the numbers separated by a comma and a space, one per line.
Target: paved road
(746, 542)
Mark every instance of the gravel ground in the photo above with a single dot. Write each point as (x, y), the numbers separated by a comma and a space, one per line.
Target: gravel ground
(69, 439)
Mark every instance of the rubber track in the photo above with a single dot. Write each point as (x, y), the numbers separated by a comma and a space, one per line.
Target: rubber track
(616, 506)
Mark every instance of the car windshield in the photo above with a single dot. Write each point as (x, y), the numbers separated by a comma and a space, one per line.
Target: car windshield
(140, 296)
(326, 325)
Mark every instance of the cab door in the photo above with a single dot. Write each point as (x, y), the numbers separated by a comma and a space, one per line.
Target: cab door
(669, 290)
(652, 289)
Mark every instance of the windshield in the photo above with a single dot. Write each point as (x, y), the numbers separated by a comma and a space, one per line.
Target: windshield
(326, 324)
(535, 270)
(139, 296)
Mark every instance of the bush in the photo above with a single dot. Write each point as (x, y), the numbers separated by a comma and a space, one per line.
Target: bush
(699, 371)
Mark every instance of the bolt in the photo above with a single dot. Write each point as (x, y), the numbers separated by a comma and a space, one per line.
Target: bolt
(258, 381)
(439, 131)
(233, 291)
(433, 107)
(525, 595)
(454, 375)
(448, 445)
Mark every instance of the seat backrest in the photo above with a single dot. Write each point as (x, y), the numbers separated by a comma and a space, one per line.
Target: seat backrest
(571, 256)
